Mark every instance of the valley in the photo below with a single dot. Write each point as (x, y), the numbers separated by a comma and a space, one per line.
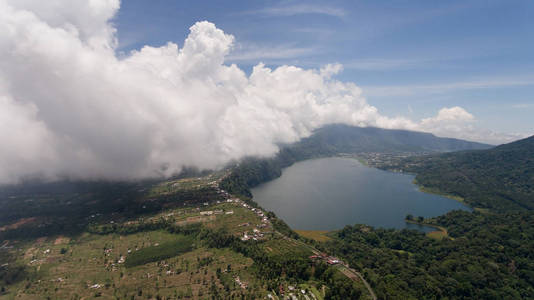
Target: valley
(201, 236)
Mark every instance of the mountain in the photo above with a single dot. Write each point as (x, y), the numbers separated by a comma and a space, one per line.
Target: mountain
(349, 139)
(336, 139)
(501, 178)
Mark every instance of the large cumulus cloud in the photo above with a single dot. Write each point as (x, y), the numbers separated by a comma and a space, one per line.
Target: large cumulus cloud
(69, 106)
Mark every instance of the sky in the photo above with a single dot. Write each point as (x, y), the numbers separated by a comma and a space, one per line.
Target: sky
(134, 89)
(410, 58)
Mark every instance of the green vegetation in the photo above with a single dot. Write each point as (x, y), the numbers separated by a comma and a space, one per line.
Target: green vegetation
(316, 235)
(474, 255)
(181, 247)
(159, 252)
(482, 254)
(149, 239)
(500, 179)
(485, 254)
(489, 258)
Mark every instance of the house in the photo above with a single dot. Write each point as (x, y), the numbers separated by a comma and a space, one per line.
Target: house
(332, 261)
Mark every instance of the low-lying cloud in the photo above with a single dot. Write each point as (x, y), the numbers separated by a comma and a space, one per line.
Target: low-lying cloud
(70, 106)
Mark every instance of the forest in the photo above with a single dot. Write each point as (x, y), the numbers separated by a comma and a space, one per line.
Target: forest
(488, 256)
(500, 179)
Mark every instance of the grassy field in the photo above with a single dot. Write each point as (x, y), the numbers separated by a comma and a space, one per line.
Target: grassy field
(158, 252)
(91, 266)
(438, 234)
(159, 263)
(184, 184)
(317, 235)
(282, 246)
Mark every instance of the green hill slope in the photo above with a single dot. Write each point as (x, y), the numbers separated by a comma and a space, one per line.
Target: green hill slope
(501, 178)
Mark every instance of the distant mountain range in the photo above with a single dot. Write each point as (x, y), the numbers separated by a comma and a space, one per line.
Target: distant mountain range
(349, 139)
(336, 139)
(501, 178)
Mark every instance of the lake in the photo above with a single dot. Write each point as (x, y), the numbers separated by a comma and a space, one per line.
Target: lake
(329, 193)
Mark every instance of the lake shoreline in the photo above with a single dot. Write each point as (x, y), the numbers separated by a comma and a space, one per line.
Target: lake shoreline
(422, 188)
(345, 196)
(440, 233)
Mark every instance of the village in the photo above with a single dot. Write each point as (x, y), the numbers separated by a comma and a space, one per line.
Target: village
(331, 260)
(109, 259)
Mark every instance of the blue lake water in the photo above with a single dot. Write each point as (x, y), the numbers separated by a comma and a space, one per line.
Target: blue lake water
(329, 193)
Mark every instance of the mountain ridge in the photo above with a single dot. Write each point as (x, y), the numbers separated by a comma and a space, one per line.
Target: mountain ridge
(335, 139)
(500, 178)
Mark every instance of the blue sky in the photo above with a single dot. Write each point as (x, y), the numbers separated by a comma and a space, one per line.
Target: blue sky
(411, 58)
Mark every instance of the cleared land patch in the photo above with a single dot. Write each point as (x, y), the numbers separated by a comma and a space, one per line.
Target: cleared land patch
(158, 252)
(317, 235)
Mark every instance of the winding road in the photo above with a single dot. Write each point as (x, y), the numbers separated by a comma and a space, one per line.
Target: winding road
(342, 267)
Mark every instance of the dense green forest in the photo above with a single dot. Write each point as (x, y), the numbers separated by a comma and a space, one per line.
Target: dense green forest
(501, 179)
(489, 256)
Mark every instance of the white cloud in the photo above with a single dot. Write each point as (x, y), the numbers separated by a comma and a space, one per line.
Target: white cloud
(453, 114)
(457, 122)
(69, 106)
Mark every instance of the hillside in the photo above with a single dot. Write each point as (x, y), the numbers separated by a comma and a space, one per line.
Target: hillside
(343, 138)
(173, 239)
(501, 178)
(488, 256)
(340, 139)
